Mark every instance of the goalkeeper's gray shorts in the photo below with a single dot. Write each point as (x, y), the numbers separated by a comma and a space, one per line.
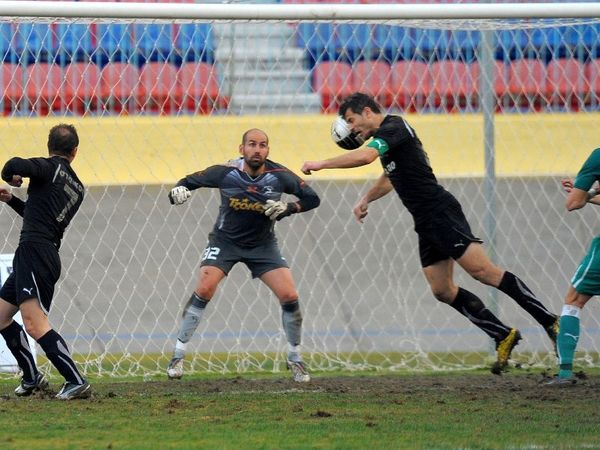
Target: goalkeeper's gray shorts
(259, 259)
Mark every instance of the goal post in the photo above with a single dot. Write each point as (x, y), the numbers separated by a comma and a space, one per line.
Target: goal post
(504, 97)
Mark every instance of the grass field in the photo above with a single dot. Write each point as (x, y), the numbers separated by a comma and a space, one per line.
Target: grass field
(389, 411)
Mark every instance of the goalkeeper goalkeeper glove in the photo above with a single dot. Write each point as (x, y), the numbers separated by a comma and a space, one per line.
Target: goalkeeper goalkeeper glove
(277, 210)
(179, 195)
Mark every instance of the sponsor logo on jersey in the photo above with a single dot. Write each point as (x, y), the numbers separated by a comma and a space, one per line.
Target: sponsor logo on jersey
(245, 205)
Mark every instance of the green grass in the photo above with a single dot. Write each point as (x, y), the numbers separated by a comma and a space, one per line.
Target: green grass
(257, 411)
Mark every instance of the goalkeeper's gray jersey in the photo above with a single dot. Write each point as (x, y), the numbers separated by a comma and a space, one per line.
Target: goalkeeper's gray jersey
(241, 214)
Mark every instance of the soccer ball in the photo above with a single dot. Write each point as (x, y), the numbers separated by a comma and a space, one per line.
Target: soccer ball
(342, 136)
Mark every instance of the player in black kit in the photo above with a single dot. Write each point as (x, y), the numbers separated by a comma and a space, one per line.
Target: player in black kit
(250, 188)
(53, 197)
(444, 233)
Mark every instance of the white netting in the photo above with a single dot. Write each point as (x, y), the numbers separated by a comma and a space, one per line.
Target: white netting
(156, 100)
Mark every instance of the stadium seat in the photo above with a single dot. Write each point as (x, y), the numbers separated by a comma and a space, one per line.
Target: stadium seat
(75, 42)
(6, 36)
(373, 78)
(394, 43)
(43, 87)
(318, 41)
(153, 42)
(159, 81)
(11, 87)
(195, 43)
(120, 89)
(33, 42)
(565, 82)
(353, 41)
(527, 83)
(333, 81)
(199, 87)
(454, 84)
(115, 42)
(410, 84)
(591, 72)
(82, 87)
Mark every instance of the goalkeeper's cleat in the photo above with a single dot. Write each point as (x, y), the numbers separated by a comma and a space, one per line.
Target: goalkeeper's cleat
(27, 388)
(175, 369)
(299, 371)
(552, 332)
(561, 382)
(504, 349)
(71, 391)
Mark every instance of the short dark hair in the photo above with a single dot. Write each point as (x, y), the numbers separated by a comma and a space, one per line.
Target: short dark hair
(62, 139)
(357, 102)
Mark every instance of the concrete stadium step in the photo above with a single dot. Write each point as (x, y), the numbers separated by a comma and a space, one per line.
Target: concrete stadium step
(278, 103)
(265, 82)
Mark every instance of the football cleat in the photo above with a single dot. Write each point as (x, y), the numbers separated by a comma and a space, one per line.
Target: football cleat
(504, 349)
(299, 372)
(27, 388)
(558, 381)
(71, 391)
(552, 332)
(175, 369)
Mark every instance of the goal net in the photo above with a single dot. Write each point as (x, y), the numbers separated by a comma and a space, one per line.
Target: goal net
(505, 108)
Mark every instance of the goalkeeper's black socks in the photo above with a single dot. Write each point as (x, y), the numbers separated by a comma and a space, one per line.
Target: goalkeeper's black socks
(514, 287)
(17, 343)
(470, 306)
(57, 352)
(291, 318)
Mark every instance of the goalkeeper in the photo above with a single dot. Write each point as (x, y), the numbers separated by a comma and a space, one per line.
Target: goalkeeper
(444, 233)
(251, 188)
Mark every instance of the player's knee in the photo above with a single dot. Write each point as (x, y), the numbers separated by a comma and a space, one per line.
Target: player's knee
(33, 328)
(288, 297)
(442, 293)
(206, 292)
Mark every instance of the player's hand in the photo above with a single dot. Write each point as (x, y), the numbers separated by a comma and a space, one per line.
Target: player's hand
(277, 210)
(5, 195)
(310, 166)
(179, 195)
(17, 181)
(360, 210)
(567, 184)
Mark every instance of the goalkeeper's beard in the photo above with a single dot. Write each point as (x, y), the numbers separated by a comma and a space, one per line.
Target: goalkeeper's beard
(254, 164)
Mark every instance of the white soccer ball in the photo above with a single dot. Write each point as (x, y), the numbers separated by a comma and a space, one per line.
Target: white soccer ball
(343, 136)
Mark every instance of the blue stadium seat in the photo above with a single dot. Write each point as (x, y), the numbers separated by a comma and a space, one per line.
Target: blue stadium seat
(463, 44)
(153, 42)
(195, 43)
(6, 34)
(33, 42)
(318, 40)
(353, 42)
(75, 42)
(115, 42)
(395, 43)
(433, 44)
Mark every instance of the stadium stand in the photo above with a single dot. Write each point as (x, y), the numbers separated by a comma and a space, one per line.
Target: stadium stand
(565, 83)
(161, 90)
(43, 87)
(527, 83)
(11, 86)
(120, 90)
(411, 84)
(81, 88)
(374, 78)
(199, 88)
(333, 81)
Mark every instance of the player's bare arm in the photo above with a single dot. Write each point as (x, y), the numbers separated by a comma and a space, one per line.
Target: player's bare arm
(578, 198)
(382, 187)
(354, 158)
(5, 195)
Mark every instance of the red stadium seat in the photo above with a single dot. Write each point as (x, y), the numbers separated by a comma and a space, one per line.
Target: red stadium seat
(11, 87)
(411, 84)
(200, 87)
(500, 82)
(120, 88)
(43, 87)
(565, 82)
(591, 72)
(82, 87)
(454, 84)
(527, 82)
(373, 78)
(333, 81)
(163, 93)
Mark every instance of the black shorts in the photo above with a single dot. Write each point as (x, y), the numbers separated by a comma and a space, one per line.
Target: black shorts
(447, 235)
(36, 269)
(260, 259)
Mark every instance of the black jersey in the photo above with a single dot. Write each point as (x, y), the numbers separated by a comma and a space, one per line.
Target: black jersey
(241, 214)
(406, 164)
(53, 197)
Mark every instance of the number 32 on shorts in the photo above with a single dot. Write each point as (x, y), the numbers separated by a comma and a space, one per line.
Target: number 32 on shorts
(210, 253)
